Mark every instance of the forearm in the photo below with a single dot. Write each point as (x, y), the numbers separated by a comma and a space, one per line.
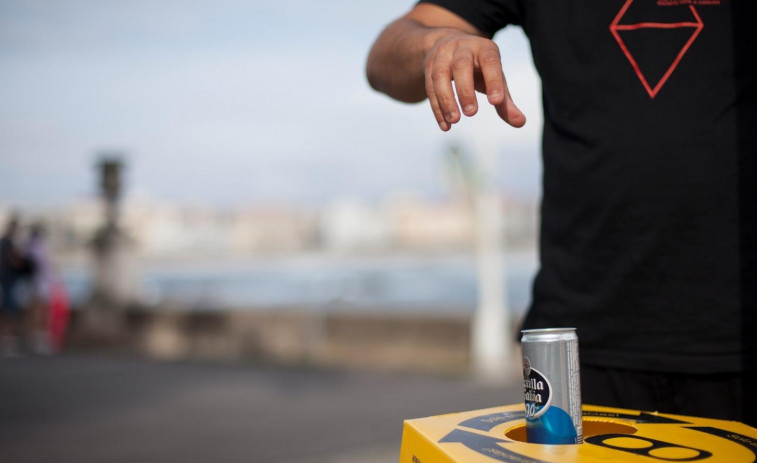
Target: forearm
(395, 64)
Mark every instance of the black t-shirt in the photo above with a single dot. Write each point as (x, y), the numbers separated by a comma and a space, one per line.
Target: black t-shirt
(648, 238)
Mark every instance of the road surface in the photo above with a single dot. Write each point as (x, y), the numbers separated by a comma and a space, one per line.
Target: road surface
(86, 407)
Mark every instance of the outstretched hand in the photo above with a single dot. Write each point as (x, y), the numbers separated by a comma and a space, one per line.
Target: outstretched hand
(473, 63)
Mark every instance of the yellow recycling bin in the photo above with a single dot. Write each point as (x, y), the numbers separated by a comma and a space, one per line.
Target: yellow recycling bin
(610, 435)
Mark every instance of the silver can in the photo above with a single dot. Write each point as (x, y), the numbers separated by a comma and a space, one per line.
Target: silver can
(552, 386)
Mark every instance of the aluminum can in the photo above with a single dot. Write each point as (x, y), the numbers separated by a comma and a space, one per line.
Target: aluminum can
(552, 386)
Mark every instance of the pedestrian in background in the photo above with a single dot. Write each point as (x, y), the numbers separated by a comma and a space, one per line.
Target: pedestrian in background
(40, 289)
(13, 266)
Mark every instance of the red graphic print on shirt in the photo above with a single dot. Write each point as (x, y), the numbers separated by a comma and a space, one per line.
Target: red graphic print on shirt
(655, 38)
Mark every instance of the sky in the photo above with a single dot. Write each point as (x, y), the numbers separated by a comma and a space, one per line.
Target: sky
(231, 102)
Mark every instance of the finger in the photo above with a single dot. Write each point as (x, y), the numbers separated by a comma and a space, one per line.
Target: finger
(490, 64)
(435, 108)
(509, 112)
(462, 73)
(441, 80)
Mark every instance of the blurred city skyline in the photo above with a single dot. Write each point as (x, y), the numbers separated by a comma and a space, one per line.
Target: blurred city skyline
(228, 103)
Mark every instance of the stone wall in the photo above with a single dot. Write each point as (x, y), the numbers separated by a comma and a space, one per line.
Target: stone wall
(379, 341)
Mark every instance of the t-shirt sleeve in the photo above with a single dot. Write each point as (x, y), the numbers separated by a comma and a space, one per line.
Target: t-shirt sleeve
(488, 16)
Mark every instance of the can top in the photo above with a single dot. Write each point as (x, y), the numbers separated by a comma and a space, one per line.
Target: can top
(549, 334)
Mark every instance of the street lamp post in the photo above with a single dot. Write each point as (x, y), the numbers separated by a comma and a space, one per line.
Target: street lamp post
(113, 276)
(491, 343)
(491, 347)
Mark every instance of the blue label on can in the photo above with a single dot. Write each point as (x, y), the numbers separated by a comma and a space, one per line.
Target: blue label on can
(555, 426)
(545, 423)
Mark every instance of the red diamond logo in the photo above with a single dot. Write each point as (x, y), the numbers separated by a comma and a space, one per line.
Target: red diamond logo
(654, 41)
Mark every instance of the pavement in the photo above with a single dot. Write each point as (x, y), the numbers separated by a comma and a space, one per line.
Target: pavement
(88, 407)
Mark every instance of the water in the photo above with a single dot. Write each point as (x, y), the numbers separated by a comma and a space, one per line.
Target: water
(319, 282)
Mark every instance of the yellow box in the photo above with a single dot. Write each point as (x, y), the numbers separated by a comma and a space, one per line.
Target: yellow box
(610, 435)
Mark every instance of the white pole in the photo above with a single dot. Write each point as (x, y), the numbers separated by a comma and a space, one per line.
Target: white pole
(491, 345)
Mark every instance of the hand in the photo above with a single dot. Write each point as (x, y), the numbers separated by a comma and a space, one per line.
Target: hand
(474, 64)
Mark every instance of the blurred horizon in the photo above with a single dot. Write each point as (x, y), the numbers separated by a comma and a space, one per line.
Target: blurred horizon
(250, 136)
(292, 247)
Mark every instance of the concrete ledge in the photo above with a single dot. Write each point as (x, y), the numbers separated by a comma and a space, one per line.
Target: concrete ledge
(378, 341)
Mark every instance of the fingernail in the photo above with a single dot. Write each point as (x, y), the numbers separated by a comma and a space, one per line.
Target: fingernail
(451, 116)
(469, 108)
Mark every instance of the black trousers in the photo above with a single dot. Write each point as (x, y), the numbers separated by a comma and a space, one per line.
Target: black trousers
(729, 396)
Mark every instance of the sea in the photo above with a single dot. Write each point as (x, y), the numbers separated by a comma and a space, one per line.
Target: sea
(408, 283)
